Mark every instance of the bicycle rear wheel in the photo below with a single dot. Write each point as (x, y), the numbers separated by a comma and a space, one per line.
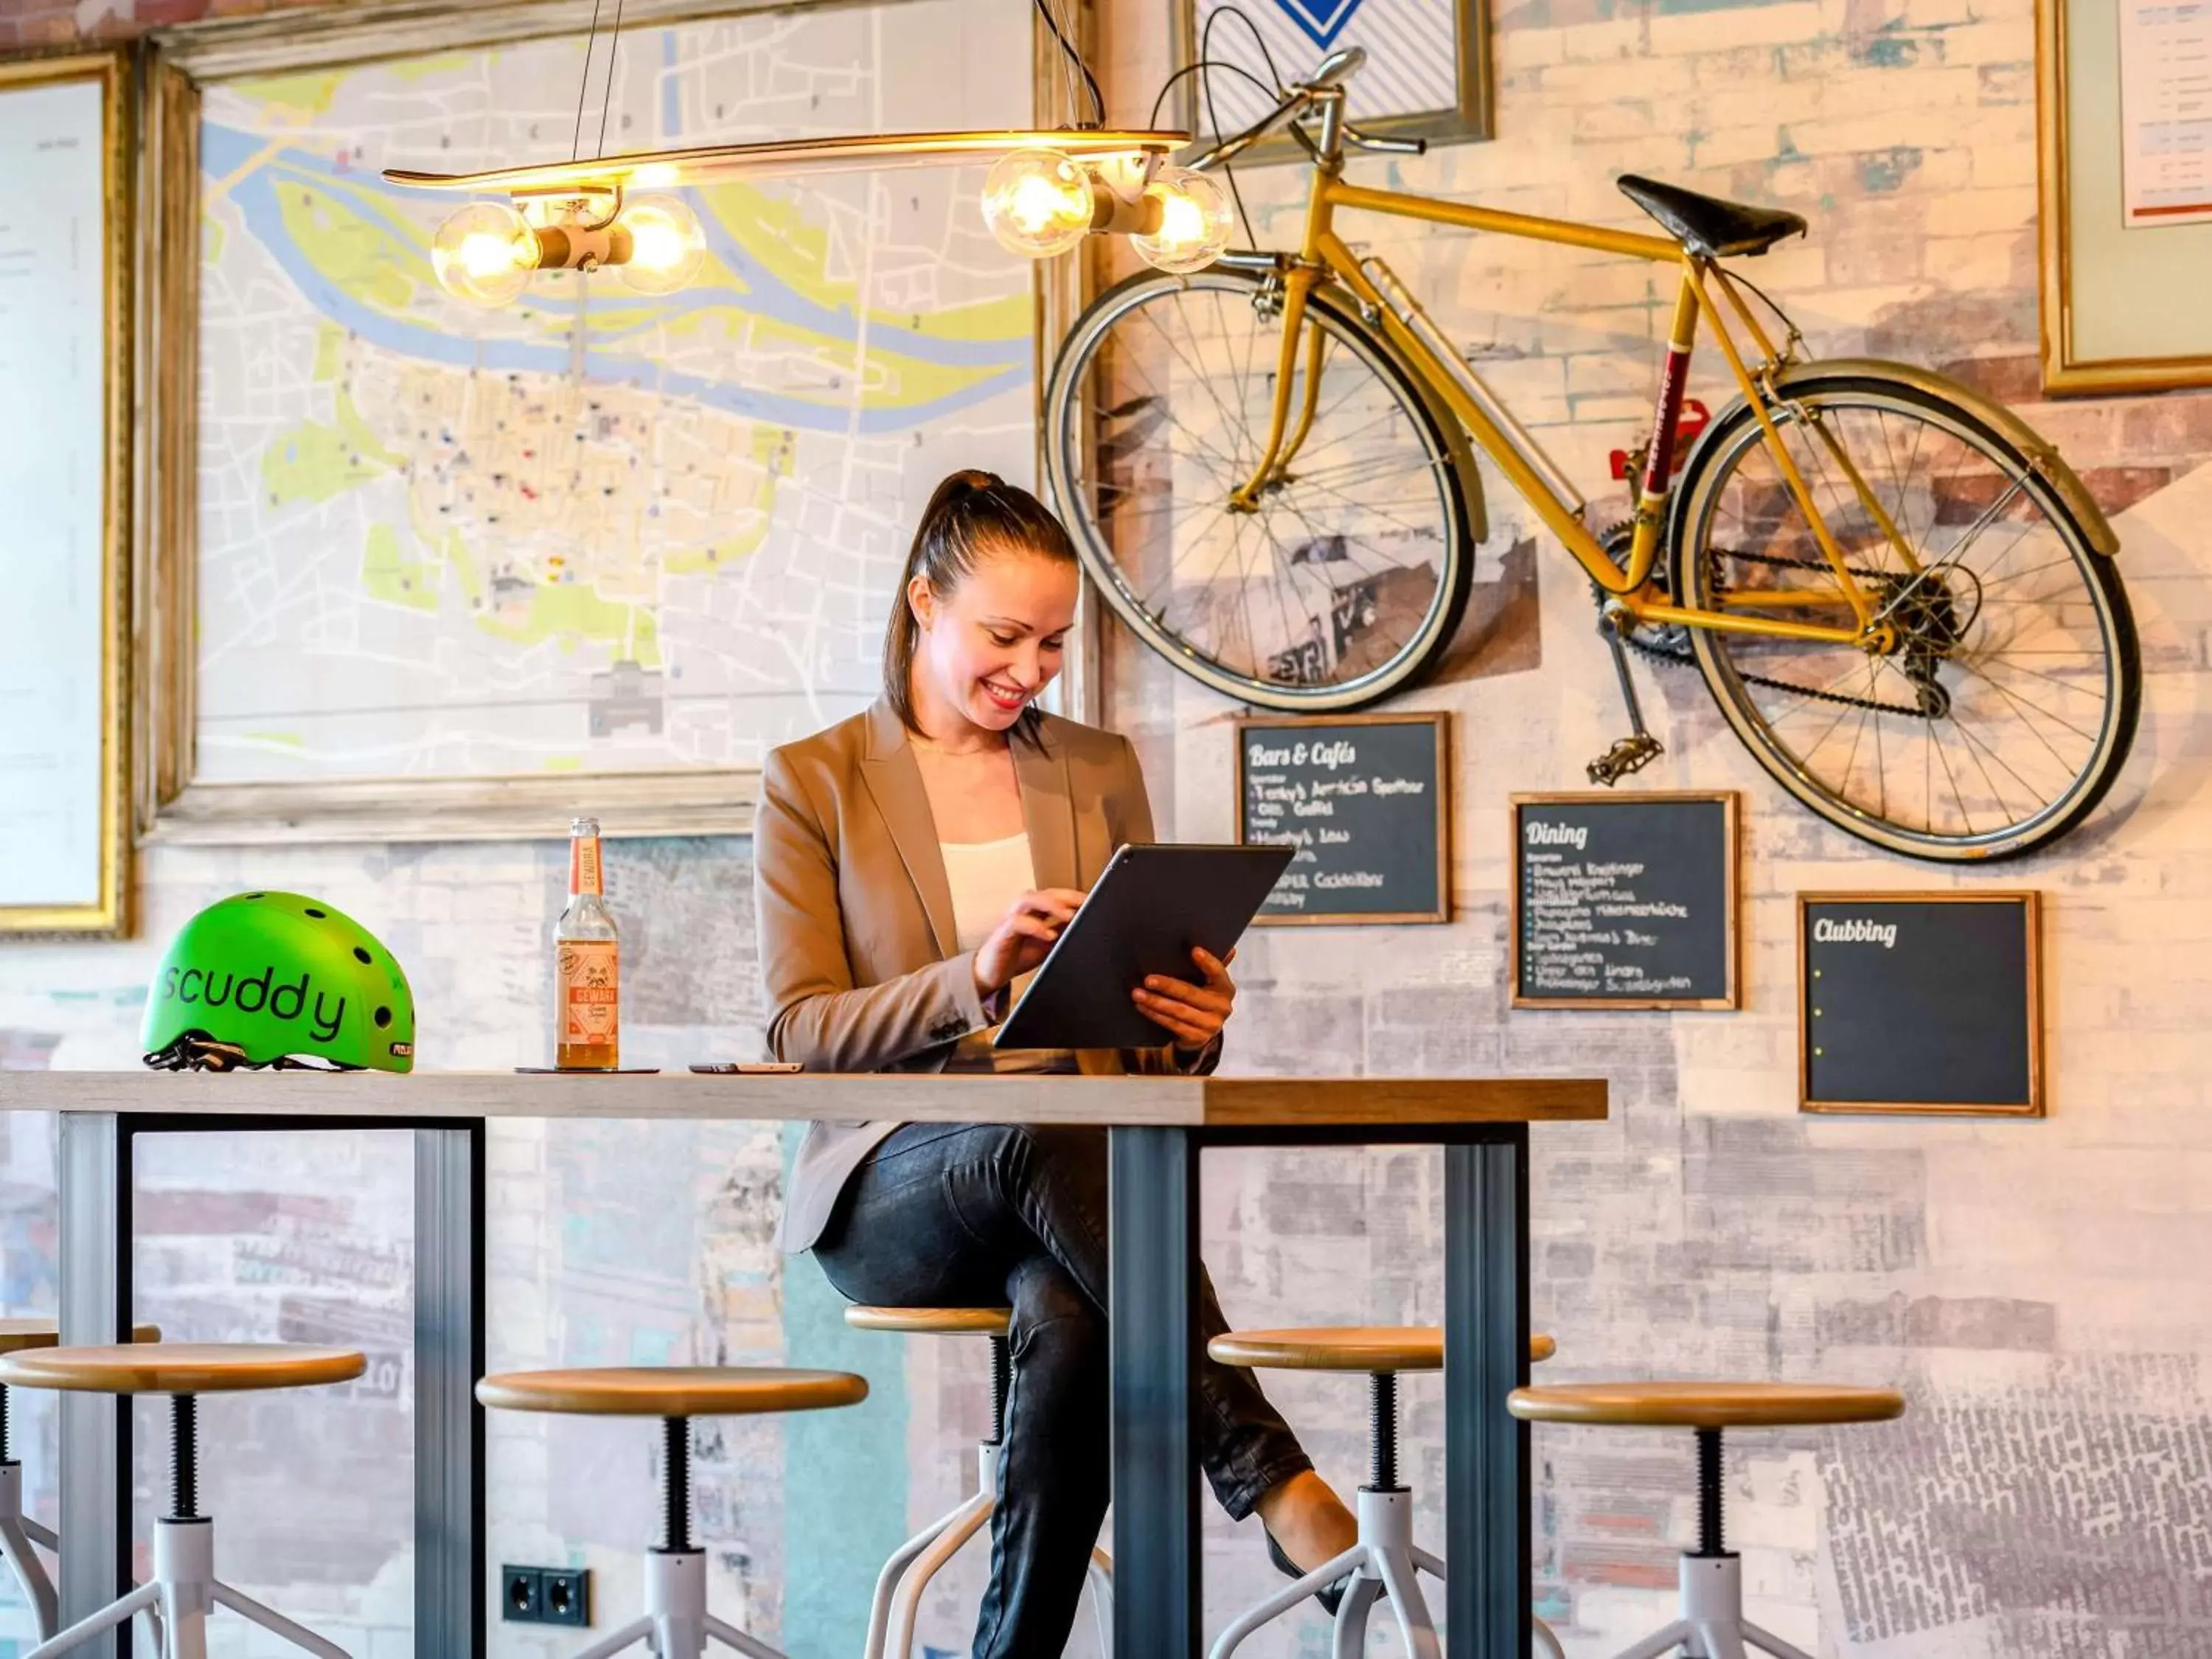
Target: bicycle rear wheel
(2009, 701)
(1345, 581)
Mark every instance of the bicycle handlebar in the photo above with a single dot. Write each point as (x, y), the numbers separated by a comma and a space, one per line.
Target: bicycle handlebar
(1339, 65)
(1384, 146)
(1328, 77)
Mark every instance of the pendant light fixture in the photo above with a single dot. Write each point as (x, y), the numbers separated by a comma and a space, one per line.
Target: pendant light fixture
(1046, 190)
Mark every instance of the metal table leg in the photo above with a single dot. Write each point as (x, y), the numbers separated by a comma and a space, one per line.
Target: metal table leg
(449, 1357)
(1154, 1264)
(95, 1310)
(1486, 1490)
(450, 1592)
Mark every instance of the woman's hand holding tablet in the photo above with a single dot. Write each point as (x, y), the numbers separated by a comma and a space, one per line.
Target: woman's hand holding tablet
(1025, 938)
(1192, 1014)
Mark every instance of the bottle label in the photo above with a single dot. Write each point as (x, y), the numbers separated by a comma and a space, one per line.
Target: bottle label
(584, 867)
(589, 990)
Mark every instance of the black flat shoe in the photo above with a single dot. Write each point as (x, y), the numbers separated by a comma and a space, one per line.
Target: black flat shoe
(1330, 1596)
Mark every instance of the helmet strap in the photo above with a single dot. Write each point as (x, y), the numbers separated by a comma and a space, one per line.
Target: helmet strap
(196, 1051)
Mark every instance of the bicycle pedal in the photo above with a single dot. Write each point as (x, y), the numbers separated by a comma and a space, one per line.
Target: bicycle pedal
(1629, 755)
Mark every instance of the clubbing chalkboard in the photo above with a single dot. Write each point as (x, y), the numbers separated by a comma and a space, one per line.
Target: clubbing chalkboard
(1625, 900)
(1364, 799)
(1920, 1002)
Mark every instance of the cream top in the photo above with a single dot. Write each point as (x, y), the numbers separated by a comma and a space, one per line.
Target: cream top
(986, 877)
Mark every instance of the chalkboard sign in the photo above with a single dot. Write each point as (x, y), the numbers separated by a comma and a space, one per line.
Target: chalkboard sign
(1625, 901)
(1920, 1002)
(1363, 798)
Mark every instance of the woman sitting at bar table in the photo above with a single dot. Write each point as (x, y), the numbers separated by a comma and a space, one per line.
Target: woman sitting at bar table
(911, 863)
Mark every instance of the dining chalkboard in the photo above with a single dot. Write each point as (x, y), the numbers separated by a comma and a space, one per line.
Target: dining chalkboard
(1625, 901)
(1364, 799)
(1920, 1002)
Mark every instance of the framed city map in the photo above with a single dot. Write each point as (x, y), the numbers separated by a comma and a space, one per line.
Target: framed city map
(431, 572)
(65, 474)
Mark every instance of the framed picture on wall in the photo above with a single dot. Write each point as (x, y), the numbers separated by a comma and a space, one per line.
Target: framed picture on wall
(428, 571)
(65, 469)
(2125, 154)
(1427, 73)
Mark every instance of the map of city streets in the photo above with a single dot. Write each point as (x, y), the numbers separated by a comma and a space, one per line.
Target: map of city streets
(591, 530)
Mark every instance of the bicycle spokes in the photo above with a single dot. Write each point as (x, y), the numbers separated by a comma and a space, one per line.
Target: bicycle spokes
(1993, 691)
(1295, 546)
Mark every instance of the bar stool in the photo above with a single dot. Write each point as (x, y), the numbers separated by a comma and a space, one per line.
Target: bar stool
(1712, 1625)
(184, 1589)
(905, 1576)
(18, 1532)
(676, 1622)
(1383, 1561)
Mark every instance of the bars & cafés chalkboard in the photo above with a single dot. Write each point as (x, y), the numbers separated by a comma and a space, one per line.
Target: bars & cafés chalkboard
(1625, 901)
(1364, 799)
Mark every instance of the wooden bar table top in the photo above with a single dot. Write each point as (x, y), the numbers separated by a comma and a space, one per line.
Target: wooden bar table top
(1142, 1101)
(1156, 1128)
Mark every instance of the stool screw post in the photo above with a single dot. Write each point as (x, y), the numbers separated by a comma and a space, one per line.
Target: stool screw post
(1382, 1431)
(676, 1484)
(1002, 1383)
(184, 1457)
(1710, 1543)
(7, 1452)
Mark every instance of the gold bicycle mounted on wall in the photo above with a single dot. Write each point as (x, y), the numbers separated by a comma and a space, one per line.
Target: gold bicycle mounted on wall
(1902, 599)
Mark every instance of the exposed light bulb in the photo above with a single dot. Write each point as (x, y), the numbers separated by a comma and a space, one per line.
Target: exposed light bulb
(666, 244)
(1194, 222)
(485, 254)
(1037, 202)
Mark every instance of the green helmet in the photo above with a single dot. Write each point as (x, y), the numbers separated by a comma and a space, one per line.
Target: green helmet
(256, 980)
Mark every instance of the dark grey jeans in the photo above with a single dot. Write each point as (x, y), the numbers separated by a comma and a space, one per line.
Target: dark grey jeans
(981, 1215)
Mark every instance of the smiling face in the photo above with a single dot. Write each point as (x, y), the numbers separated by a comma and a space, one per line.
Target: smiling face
(994, 642)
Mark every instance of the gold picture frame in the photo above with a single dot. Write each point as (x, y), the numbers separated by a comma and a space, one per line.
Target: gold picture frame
(1440, 722)
(1731, 805)
(2030, 902)
(2119, 310)
(1470, 116)
(105, 909)
(172, 802)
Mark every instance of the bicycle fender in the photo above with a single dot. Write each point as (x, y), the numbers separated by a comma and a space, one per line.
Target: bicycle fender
(2040, 453)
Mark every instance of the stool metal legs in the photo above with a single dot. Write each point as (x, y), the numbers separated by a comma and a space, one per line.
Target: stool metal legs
(178, 1598)
(18, 1534)
(1384, 1561)
(1712, 1625)
(675, 1618)
(905, 1576)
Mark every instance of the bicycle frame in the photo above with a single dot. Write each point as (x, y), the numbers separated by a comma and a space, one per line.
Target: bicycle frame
(1634, 591)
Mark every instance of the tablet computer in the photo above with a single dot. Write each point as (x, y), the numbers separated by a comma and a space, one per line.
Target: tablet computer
(1144, 915)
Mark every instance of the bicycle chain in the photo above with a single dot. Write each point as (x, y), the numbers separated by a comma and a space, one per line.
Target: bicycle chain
(1614, 542)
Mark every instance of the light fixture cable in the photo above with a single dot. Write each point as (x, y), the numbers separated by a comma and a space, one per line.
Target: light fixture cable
(614, 46)
(584, 83)
(1074, 58)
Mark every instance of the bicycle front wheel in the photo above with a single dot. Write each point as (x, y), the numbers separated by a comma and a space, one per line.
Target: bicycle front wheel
(1344, 578)
(2005, 708)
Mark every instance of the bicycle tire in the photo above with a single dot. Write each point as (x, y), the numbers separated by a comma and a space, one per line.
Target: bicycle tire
(1442, 442)
(1733, 434)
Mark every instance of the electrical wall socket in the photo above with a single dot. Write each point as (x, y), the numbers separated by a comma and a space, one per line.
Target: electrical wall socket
(545, 1596)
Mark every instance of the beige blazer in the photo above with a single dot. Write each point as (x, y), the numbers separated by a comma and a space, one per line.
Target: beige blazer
(857, 945)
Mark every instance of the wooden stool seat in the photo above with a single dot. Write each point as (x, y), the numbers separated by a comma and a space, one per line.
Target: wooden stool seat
(672, 1390)
(1705, 1405)
(180, 1367)
(1346, 1348)
(17, 1334)
(930, 1322)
